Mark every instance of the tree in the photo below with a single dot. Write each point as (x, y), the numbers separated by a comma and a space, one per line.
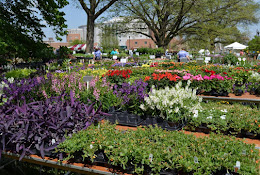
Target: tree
(225, 29)
(108, 38)
(93, 9)
(21, 25)
(169, 18)
(254, 44)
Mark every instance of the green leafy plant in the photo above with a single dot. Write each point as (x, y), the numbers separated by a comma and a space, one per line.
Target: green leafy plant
(150, 150)
(20, 73)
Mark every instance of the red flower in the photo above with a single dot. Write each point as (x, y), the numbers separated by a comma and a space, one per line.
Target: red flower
(147, 78)
(224, 73)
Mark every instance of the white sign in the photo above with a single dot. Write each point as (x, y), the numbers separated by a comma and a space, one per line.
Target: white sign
(105, 54)
(168, 56)
(114, 57)
(207, 58)
(137, 53)
(152, 56)
(123, 60)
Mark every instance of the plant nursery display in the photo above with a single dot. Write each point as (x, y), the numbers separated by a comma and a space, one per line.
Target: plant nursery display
(56, 112)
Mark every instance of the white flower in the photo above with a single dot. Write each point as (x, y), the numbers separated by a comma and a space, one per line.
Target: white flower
(225, 110)
(195, 112)
(195, 115)
(142, 107)
(223, 117)
(209, 117)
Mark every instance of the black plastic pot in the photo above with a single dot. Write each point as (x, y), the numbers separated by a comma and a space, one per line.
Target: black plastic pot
(252, 91)
(100, 157)
(173, 126)
(198, 91)
(257, 91)
(121, 118)
(149, 121)
(238, 92)
(111, 117)
(169, 172)
(161, 122)
(134, 120)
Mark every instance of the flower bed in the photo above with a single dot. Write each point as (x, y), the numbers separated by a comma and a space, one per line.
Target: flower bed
(153, 150)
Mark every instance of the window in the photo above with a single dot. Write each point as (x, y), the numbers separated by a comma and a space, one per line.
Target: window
(135, 43)
(145, 42)
(76, 37)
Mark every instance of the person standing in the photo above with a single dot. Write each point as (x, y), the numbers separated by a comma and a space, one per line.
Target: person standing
(97, 54)
(182, 55)
(114, 52)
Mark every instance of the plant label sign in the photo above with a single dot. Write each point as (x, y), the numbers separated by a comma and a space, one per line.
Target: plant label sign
(168, 57)
(196, 160)
(207, 58)
(87, 78)
(151, 157)
(123, 60)
(152, 56)
(137, 53)
(114, 57)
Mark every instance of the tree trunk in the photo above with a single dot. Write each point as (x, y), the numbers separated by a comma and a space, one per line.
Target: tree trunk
(90, 34)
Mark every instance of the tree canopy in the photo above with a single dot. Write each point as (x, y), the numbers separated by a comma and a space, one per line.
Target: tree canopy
(170, 18)
(93, 9)
(254, 44)
(21, 24)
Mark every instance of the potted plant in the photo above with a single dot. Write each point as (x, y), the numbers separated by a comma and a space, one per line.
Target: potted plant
(171, 104)
(239, 90)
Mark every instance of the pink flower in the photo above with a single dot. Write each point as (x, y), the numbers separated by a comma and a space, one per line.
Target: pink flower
(185, 77)
(198, 77)
(206, 77)
(44, 94)
(96, 93)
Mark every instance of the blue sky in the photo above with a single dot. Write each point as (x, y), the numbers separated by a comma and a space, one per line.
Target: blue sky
(76, 17)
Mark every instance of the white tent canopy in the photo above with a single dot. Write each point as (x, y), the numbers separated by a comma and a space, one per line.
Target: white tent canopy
(236, 46)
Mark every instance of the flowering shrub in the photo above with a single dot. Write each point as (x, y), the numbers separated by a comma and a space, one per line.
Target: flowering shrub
(172, 103)
(118, 76)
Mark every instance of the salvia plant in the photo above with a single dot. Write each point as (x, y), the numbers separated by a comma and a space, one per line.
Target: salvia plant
(172, 103)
